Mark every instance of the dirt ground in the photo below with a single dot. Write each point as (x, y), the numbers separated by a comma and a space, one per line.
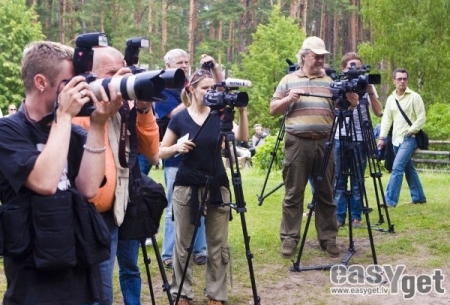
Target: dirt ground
(311, 287)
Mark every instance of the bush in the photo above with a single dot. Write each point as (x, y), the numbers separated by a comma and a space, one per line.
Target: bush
(264, 154)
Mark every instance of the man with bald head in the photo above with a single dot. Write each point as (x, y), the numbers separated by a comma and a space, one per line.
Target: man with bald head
(112, 198)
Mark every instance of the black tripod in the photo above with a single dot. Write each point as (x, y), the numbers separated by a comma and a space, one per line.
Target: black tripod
(374, 165)
(226, 135)
(147, 261)
(351, 166)
(273, 153)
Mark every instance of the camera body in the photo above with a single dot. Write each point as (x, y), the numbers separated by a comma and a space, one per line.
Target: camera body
(83, 59)
(353, 80)
(221, 99)
(133, 45)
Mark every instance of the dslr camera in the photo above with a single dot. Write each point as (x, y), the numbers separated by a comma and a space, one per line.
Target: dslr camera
(142, 85)
(216, 100)
(353, 80)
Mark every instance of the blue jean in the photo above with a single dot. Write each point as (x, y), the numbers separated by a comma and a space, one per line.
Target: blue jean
(107, 268)
(169, 226)
(403, 164)
(129, 275)
(144, 165)
(341, 180)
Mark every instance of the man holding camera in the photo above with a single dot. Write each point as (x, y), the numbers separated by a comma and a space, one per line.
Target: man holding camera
(308, 125)
(43, 156)
(352, 61)
(112, 198)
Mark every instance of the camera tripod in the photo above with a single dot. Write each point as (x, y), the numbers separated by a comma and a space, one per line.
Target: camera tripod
(351, 167)
(273, 153)
(147, 261)
(227, 136)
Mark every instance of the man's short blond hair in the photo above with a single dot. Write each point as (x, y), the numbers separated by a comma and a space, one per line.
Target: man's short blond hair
(43, 57)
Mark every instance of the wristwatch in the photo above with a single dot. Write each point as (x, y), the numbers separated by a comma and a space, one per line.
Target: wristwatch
(143, 111)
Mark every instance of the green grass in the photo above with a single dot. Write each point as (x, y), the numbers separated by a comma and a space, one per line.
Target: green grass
(421, 241)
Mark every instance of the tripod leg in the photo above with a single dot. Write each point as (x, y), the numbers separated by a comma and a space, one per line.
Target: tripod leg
(273, 154)
(147, 269)
(162, 271)
(241, 209)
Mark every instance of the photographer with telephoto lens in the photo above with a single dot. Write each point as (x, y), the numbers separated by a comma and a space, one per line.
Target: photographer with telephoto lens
(46, 165)
(112, 198)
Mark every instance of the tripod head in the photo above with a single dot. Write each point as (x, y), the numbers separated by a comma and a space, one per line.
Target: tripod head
(226, 119)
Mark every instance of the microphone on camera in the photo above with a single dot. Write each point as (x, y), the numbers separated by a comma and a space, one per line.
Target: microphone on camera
(234, 82)
(331, 73)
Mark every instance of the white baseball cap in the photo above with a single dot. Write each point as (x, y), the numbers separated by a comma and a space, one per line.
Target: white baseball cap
(315, 44)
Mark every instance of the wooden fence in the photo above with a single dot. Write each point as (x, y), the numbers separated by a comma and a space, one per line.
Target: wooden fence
(436, 157)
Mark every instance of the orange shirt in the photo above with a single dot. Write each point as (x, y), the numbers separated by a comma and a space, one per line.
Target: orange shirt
(148, 144)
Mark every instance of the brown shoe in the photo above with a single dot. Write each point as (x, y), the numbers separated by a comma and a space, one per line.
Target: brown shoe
(214, 302)
(288, 247)
(181, 301)
(332, 250)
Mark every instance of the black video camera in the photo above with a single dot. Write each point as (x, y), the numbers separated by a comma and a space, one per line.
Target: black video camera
(218, 100)
(132, 52)
(83, 59)
(353, 80)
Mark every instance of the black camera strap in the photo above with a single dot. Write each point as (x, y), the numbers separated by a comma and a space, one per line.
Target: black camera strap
(403, 113)
(128, 119)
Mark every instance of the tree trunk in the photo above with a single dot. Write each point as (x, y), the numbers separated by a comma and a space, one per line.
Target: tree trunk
(295, 9)
(247, 24)
(336, 20)
(150, 24)
(163, 26)
(322, 29)
(192, 29)
(353, 26)
(62, 21)
(219, 38)
(304, 14)
(230, 47)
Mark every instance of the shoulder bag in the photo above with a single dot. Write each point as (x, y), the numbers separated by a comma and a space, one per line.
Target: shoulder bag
(421, 137)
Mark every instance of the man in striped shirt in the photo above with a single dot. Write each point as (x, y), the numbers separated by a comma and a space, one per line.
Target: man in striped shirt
(308, 125)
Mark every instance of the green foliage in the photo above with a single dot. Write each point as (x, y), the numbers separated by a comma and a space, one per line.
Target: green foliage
(263, 156)
(438, 121)
(19, 27)
(264, 63)
(410, 34)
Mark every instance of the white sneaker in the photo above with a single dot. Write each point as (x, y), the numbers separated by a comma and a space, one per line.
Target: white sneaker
(148, 242)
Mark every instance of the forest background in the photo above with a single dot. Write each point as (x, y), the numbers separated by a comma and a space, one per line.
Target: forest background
(251, 39)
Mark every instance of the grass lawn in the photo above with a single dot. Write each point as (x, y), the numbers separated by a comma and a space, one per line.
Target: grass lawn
(421, 242)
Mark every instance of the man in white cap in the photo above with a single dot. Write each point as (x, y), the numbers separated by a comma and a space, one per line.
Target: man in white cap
(308, 125)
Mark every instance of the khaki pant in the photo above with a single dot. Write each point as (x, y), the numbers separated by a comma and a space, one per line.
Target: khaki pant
(302, 161)
(218, 250)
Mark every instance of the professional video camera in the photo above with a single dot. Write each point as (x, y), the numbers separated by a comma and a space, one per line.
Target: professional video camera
(218, 100)
(353, 80)
(132, 52)
(83, 59)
